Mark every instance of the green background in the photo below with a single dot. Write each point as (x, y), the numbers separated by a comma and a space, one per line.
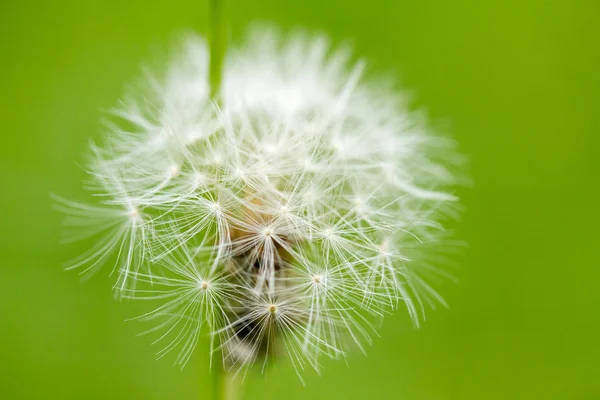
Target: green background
(515, 81)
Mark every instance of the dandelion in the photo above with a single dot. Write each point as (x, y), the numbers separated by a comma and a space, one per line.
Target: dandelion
(284, 219)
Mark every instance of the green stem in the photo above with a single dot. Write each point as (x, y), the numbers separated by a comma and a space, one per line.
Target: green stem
(224, 383)
(218, 42)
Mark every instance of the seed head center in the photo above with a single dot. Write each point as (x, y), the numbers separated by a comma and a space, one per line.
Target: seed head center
(328, 232)
(216, 207)
(174, 171)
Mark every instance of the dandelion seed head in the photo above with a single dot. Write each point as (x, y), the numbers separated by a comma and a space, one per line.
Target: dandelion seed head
(286, 220)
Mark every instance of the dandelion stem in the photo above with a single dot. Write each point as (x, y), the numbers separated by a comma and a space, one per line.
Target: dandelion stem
(218, 42)
(224, 384)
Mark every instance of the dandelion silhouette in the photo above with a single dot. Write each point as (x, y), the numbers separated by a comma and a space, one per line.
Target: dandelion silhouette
(281, 221)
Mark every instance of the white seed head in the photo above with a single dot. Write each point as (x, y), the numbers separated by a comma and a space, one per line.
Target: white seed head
(291, 216)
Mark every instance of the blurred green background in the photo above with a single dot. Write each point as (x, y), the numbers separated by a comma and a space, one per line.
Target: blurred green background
(517, 83)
